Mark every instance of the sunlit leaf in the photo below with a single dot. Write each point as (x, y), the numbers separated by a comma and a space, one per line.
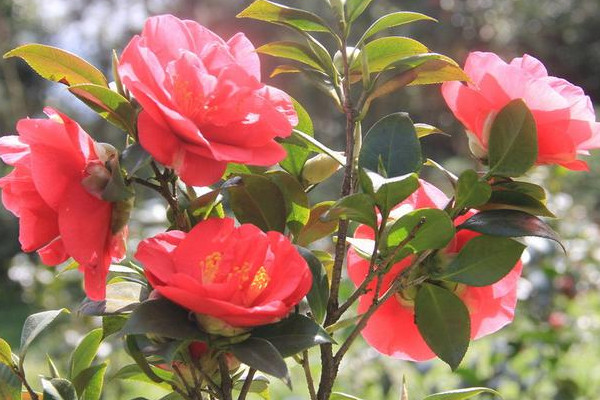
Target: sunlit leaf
(292, 51)
(268, 11)
(392, 20)
(315, 228)
(357, 207)
(34, 325)
(462, 394)
(85, 352)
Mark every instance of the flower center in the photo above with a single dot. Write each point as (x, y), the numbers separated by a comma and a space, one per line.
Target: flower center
(210, 266)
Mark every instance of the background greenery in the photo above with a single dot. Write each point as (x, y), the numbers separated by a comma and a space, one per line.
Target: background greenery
(550, 352)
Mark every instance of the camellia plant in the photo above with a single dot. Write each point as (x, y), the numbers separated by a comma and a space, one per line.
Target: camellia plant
(236, 285)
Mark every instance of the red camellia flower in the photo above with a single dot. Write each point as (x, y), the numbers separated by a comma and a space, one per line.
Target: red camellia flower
(238, 275)
(53, 189)
(564, 115)
(392, 330)
(203, 102)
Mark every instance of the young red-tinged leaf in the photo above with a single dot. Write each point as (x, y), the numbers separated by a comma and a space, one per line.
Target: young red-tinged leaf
(315, 228)
(471, 191)
(293, 334)
(393, 20)
(392, 144)
(10, 385)
(58, 65)
(268, 11)
(462, 394)
(354, 8)
(318, 295)
(110, 105)
(510, 223)
(512, 147)
(443, 321)
(34, 325)
(437, 68)
(357, 207)
(262, 355)
(292, 51)
(483, 261)
(430, 229)
(257, 200)
(85, 352)
(296, 200)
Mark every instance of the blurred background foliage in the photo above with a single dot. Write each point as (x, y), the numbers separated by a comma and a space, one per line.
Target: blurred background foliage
(551, 351)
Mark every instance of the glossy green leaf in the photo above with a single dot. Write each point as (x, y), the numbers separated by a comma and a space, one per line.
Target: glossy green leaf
(58, 389)
(10, 385)
(483, 260)
(293, 334)
(444, 323)
(383, 52)
(516, 200)
(434, 68)
(510, 223)
(109, 104)
(34, 325)
(317, 146)
(393, 20)
(530, 189)
(296, 200)
(133, 372)
(262, 355)
(318, 295)
(471, 191)
(298, 152)
(58, 65)
(121, 297)
(264, 10)
(134, 351)
(5, 353)
(89, 382)
(134, 158)
(422, 229)
(259, 385)
(390, 192)
(257, 200)
(354, 8)
(462, 394)
(112, 324)
(292, 51)
(163, 318)
(315, 228)
(512, 145)
(357, 207)
(85, 352)
(392, 145)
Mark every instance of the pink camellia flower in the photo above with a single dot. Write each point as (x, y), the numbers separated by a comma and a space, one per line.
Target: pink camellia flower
(53, 189)
(229, 276)
(203, 102)
(392, 329)
(564, 115)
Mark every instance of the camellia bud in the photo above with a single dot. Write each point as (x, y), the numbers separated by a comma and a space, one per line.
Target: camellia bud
(353, 55)
(319, 168)
(215, 326)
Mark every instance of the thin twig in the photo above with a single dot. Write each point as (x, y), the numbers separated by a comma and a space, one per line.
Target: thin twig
(226, 384)
(247, 384)
(21, 375)
(176, 388)
(309, 379)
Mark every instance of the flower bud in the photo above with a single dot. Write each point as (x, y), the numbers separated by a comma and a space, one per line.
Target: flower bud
(353, 55)
(215, 326)
(319, 168)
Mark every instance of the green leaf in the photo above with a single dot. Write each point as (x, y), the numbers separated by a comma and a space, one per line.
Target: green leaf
(462, 394)
(354, 8)
(121, 297)
(112, 324)
(58, 389)
(383, 52)
(259, 385)
(510, 223)
(390, 192)
(392, 20)
(10, 385)
(433, 68)
(471, 191)
(58, 65)
(357, 207)
(530, 189)
(263, 10)
(297, 152)
(34, 325)
(262, 355)
(293, 334)
(315, 228)
(133, 372)
(296, 200)
(516, 200)
(317, 146)
(483, 260)
(110, 105)
(5, 353)
(85, 352)
(89, 382)
(134, 158)
(292, 51)
(342, 396)
(257, 200)
(134, 351)
(53, 370)
(392, 145)
(512, 145)
(429, 228)
(426, 130)
(163, 318)
(443, 321)
(318, 295)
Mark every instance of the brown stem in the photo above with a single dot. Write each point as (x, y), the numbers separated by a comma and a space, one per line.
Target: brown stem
(165, 179)
(29, 389)
(226, 384)
(186, 394)
(247, 384)
(309, 379)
